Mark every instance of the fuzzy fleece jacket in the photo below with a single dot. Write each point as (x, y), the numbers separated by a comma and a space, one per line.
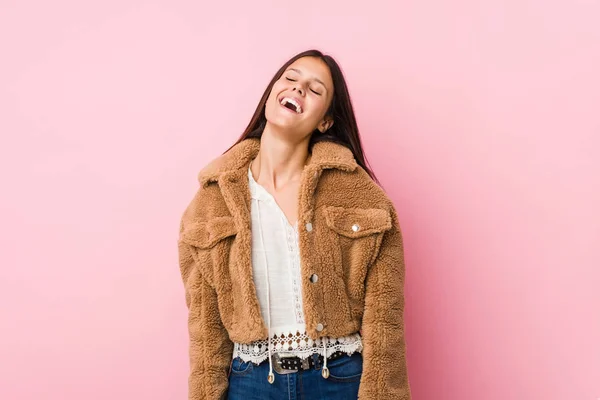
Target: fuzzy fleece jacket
(349, 236)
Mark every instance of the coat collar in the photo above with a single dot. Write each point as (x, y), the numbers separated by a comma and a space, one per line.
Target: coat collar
(324, 155)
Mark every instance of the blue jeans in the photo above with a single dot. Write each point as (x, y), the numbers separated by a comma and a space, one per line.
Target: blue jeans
(248, 381)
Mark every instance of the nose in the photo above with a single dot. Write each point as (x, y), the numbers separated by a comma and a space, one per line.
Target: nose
(300, 90)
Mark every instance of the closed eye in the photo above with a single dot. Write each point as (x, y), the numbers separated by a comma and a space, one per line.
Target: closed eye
(318, 94)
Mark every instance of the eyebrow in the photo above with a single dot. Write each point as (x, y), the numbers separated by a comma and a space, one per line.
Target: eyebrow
(316, 79)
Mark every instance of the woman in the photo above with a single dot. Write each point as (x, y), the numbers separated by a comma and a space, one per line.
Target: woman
(292, 255)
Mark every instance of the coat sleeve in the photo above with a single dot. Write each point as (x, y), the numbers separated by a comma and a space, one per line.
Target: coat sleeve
(210, 349)
(385, 374)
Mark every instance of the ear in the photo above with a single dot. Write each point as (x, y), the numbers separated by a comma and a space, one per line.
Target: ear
(325, 124)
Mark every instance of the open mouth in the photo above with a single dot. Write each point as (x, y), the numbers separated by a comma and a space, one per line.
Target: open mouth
(291, 104)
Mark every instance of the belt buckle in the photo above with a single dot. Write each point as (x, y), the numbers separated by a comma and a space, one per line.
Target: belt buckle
(276, 358)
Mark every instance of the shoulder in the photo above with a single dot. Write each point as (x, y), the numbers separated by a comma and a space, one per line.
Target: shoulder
(355, 189)
(208, 201)
(211, 171)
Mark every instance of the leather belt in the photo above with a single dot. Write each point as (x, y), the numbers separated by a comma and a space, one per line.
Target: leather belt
(283, 364)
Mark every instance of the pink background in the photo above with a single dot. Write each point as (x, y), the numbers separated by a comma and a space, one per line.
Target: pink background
(480, 117)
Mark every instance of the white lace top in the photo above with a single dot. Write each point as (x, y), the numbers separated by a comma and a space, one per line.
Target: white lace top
(276, 274)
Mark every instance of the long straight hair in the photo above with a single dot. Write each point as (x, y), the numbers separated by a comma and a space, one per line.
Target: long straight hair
(344, 129)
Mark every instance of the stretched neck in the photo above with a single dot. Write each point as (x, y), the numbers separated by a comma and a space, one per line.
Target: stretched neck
(279, 161)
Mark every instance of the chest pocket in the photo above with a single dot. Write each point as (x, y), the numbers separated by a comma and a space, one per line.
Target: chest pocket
(356, 235)
(207, 240)
(205, 235)
(357, 223)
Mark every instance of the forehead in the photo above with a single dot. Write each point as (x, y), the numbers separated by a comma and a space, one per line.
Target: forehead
(314, 68)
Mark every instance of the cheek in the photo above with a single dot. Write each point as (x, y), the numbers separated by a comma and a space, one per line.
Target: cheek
(275, 90)
(318, 107)
(271, 101)
(278, 87)
(271, 105)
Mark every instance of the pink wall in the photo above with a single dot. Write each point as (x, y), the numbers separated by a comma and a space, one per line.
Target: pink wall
(480, 117)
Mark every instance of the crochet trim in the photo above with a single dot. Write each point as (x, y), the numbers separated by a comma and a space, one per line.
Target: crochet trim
(298, 344)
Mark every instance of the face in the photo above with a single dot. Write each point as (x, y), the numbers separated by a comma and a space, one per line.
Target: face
(300, 98)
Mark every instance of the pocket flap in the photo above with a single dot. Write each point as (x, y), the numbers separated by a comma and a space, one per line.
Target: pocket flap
(357, 222)
(206, 234)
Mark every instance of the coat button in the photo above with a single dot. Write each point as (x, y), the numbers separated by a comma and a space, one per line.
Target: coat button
(309, 227)
(319, 327)
(355, 227)
(314, 278)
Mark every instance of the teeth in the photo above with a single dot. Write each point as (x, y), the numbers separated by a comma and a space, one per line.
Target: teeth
(293, 102)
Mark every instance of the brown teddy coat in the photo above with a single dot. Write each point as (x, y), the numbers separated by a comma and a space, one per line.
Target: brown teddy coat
(349, 236)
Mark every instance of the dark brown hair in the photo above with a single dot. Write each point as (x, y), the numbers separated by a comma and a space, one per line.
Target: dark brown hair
(344, 129)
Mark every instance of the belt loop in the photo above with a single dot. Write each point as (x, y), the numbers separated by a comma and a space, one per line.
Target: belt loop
(316, 361)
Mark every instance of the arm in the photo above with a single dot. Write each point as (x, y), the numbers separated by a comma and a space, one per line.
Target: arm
(210, 347)
(385, 373)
